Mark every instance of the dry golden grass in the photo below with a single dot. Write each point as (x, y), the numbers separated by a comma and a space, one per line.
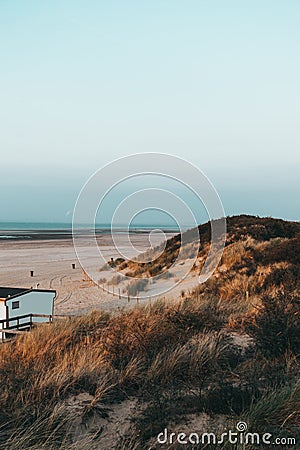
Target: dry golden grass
(191, 362)
(103, 355)
(236, 253)
(143, 352)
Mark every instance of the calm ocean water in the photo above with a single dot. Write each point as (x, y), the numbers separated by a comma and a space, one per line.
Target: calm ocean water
(48, 226)
(26, 230)
(35, 226)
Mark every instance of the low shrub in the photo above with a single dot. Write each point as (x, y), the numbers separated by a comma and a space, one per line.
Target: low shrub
(277, 325)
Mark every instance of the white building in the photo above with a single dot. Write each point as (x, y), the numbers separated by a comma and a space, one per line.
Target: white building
(18, 302)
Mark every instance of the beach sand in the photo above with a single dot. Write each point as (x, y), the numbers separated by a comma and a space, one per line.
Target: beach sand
(52, 259)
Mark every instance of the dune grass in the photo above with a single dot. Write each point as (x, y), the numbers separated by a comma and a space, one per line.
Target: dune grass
(179, 352)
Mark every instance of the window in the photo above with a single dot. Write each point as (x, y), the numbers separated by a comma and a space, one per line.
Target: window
(15, 305)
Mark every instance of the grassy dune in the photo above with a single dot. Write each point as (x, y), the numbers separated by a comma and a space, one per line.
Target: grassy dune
(225, 352)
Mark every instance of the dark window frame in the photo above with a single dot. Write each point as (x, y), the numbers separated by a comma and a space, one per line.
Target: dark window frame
(15, 304)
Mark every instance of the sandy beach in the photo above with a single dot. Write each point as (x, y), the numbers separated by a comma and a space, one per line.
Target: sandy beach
(51, 258)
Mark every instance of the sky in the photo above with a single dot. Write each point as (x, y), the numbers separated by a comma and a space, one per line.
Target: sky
(85, 82)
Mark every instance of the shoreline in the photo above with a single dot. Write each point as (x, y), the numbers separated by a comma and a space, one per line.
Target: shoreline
(61, 234)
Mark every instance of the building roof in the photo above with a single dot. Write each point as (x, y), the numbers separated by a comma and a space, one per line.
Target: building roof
(9, 292)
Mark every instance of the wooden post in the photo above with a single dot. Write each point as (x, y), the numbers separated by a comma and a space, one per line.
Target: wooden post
(31, 273)
(73, 266)
(119, 294)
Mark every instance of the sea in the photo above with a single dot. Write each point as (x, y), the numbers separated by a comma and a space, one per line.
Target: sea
(34, 230)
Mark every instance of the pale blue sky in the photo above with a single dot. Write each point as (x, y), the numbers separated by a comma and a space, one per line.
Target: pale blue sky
(84, 82)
